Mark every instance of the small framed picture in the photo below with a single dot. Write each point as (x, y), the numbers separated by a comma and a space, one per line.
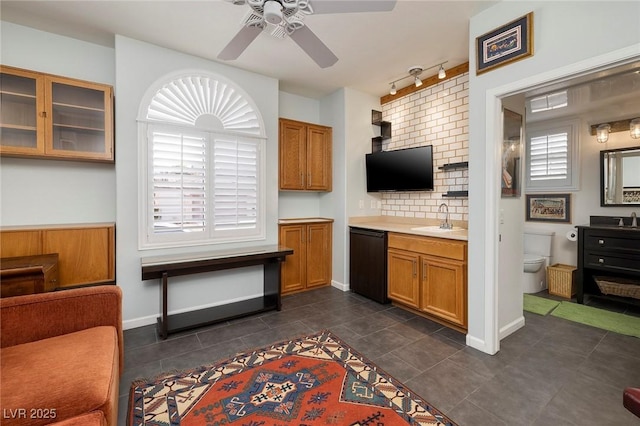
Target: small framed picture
(509, 43)
(549, 207)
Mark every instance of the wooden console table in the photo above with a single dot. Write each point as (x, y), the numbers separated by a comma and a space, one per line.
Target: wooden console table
(164, 267)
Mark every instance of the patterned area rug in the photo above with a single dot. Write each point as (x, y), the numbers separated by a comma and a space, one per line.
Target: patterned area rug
(313, 380)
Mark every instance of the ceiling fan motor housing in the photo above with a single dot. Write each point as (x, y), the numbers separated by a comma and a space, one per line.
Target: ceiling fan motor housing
(273, 12)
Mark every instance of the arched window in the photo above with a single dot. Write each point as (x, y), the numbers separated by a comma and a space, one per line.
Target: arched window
(203, 160)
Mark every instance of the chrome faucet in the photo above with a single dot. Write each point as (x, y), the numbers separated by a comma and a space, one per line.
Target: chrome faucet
(445, 224)
(634, 220)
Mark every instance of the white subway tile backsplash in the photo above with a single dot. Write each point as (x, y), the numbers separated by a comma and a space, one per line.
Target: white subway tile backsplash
(437, 115)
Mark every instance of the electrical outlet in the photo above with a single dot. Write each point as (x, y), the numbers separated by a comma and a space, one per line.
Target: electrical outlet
(361, 204)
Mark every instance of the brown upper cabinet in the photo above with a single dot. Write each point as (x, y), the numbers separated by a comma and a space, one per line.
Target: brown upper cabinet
(305, 156)
(47, 116)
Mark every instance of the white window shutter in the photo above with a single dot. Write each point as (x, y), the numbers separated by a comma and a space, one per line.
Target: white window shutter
(235, 191)
(552, 156)
(179, 182)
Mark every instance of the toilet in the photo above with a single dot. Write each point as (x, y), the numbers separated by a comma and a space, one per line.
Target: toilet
(537, 256)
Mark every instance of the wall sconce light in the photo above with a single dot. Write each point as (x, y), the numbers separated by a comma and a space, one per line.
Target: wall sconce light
(602, 133)
(415, 71)
(634, 128)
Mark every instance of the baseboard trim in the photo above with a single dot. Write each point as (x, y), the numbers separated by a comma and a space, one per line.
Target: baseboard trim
(339, 285)
(153, 319)
(511, 328)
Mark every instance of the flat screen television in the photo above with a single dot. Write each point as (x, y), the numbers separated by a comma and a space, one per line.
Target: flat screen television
(409, 169)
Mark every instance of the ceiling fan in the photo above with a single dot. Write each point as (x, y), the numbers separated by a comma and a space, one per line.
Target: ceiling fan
(282, 18)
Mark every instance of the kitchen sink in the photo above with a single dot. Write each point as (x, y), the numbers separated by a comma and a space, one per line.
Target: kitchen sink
(436, 228)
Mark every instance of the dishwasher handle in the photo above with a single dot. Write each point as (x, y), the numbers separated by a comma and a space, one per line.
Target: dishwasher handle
(368, 232)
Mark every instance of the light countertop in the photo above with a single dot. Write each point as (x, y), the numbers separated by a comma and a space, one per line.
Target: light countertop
(293, 221)
(409, 225)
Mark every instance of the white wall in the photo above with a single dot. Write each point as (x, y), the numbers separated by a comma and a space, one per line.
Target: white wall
(138, 66)
(591, 38)
(511, 218)
(39, 192)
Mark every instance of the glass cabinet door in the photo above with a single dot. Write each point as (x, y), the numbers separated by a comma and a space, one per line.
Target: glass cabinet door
(81, 123)
(21, 112)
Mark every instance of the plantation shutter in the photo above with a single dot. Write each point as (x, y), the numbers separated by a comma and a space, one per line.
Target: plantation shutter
(235, 189)
(549, 157)
(179, 179)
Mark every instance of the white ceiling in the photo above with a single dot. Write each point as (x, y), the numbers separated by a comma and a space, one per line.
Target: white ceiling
(373, 48)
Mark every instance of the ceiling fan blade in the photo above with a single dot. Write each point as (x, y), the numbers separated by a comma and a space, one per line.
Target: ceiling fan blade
(239, 43)
(351, 6)
(314, 47)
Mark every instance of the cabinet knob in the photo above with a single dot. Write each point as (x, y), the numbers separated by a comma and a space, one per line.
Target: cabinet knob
(600, 260)
(601, 242)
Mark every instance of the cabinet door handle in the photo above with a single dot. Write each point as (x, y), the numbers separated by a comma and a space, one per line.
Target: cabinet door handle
(414, 268)
(600, 260)
(601, 242)
(301, 179)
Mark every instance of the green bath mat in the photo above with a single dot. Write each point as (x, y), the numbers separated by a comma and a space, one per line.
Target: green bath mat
(599, 318)
(539, 305)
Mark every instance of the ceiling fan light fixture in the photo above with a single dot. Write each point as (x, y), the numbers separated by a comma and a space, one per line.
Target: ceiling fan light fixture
(273, 12)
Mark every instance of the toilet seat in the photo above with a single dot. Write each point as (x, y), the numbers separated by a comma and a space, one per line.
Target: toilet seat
(532, 258)
(533, 262)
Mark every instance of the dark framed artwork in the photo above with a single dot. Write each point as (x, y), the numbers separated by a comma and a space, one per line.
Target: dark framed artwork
(511, 153)
(509, 43)
(549, 207)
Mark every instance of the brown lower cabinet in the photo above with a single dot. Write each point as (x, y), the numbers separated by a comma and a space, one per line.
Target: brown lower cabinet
(310, 264)
(86, 253)
(429, 275)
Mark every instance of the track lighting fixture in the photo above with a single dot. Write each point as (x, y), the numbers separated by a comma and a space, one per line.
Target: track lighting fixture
(414, 72)
(441, 73)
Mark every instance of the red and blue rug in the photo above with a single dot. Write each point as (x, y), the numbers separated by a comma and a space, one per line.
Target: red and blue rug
(312, 380)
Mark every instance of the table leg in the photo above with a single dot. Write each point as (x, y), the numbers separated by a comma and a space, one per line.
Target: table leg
(165, 291)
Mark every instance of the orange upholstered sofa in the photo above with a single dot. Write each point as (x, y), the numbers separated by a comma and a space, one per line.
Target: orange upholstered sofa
(61, 355)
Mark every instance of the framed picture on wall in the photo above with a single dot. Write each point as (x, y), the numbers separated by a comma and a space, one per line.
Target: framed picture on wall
(549, 207)
(506, 44)
(511, 153)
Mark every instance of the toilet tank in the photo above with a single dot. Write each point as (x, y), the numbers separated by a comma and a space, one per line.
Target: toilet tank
(538, 241)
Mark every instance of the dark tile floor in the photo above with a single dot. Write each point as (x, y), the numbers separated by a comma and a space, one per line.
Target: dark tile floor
(551, 372)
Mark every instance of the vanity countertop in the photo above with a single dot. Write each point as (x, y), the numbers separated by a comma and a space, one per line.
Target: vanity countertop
(409, 225)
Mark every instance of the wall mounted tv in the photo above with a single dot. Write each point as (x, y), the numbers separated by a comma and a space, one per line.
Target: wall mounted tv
(409, 169)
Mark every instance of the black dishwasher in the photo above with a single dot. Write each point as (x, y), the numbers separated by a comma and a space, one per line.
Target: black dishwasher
(368, 263)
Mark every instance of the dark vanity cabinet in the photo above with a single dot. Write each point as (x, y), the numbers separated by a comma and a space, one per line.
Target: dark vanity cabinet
(609, 254)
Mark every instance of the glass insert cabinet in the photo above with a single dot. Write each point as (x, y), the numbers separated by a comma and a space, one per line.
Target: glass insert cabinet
(48, 116)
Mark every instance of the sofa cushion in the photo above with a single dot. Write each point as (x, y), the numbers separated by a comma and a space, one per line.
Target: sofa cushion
(60, 377)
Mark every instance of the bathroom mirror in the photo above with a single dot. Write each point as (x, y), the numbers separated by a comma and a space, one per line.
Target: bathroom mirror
(620, 177)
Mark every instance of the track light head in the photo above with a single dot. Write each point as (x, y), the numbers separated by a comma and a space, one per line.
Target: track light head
(441, 73)
(393, 90)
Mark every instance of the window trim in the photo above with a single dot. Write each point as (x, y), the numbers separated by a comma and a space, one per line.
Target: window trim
(144, 169)
(572, 182)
